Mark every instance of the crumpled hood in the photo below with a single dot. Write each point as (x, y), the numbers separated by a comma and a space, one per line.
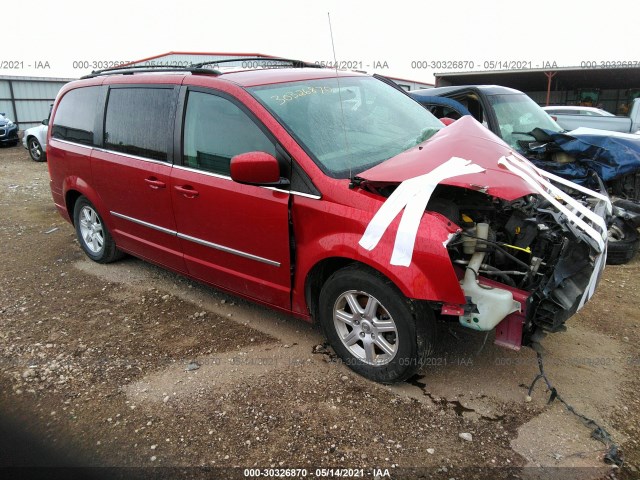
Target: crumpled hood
(468, 139)
(610, 154)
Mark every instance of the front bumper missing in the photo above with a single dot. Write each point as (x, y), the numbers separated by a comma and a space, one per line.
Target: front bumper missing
(578, 266)
(574, 279)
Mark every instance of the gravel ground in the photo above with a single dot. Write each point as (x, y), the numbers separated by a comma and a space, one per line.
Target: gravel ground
(128, 365)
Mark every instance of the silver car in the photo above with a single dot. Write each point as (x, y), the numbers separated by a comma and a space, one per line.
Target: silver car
(35, 140)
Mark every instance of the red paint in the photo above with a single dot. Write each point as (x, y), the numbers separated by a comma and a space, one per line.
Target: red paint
(244, 217)
(252, 78)
(122, 183)
(509, 332)
(468, 139)
(454, 310)
(255, 167)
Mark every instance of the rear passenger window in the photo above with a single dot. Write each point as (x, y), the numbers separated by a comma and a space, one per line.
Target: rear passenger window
(139, 121)
(75, 116)
(215, 130)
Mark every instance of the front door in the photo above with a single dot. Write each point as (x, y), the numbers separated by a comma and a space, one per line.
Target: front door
(232, 235)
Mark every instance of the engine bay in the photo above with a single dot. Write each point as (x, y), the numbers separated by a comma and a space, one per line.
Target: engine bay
(528, 246)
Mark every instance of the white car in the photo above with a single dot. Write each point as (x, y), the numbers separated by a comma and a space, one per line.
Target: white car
(577, 110)
(35, 140)
(571, 117)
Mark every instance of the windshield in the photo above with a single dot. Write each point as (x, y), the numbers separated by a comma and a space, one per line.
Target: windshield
(518, 115)
(350, 126)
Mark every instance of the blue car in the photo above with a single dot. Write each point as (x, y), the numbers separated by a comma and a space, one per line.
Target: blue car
(523, 124)
(8, 131)
(584, 156)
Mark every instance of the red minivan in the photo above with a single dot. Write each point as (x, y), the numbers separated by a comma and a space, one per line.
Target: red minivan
(329, 195)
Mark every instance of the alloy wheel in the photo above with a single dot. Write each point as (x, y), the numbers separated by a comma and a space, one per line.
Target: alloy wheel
(91, 229)
(365, 327)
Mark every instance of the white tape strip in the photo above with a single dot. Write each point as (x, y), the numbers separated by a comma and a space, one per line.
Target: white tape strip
(542, 176)
(534, 177)
(593, 281)
(575, 186)
(413, 196)
(551, 192)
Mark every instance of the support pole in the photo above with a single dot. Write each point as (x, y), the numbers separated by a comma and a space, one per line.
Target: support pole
(549, 75)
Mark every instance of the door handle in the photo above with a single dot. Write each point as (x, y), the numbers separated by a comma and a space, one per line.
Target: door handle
(154, 183)
(187, 191)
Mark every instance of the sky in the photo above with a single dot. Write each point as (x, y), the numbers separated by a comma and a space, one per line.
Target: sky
(401, 39)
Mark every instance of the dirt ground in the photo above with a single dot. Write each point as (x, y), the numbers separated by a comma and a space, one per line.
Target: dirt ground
(128, 365)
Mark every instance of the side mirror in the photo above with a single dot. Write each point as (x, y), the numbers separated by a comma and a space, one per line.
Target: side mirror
(45, 121)
(255, 168)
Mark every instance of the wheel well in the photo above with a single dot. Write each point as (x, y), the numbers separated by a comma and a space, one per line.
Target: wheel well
(70, 200)
(319, 274)
(316, 278)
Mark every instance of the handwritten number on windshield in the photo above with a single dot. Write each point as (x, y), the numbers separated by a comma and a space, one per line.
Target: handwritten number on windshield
(303, 92)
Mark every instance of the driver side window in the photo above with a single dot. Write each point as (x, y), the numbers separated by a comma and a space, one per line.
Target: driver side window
(472, 103)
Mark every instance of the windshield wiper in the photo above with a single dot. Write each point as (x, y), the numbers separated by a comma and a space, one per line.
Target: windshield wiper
(356, 181)
(530, 134)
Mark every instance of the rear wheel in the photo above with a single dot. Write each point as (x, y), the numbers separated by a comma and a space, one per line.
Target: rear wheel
(373, 327)
(35, 150)
(92, 233)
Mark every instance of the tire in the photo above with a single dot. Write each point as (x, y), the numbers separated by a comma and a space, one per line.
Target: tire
(36, 152)
(629, 205)
(623, 242)
(388, 338)
(92, 233)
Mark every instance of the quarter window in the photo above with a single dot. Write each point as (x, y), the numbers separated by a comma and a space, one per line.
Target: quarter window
(138, 122)
(75, 116)
(215, 130)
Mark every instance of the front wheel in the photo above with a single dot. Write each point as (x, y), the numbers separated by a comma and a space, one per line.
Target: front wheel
(373, 327)
(92, 233)
(623, 242)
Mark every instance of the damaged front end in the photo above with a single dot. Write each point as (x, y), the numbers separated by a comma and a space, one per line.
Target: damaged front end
(530, 246)
(523, 265)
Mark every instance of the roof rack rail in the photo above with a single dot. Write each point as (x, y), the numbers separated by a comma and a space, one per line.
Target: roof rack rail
(151, 68)
(293, 63)
(200, 68)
